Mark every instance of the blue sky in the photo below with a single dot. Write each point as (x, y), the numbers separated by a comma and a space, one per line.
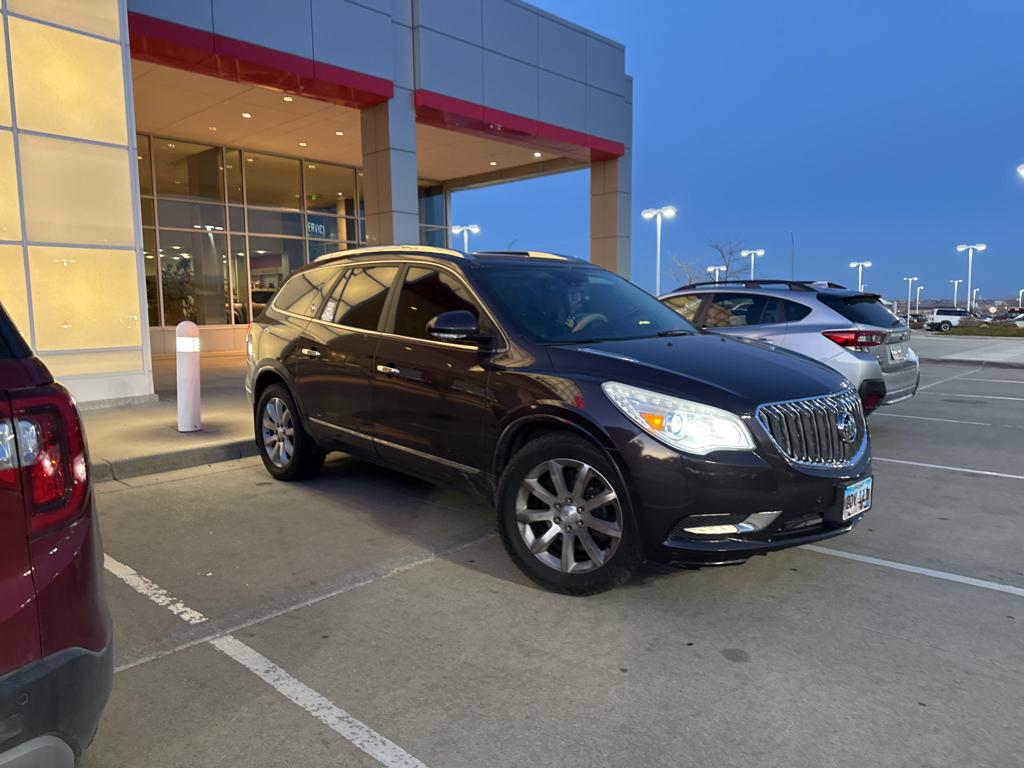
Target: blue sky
(887, 130)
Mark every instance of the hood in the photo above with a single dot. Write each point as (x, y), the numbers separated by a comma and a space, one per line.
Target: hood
(735, 374)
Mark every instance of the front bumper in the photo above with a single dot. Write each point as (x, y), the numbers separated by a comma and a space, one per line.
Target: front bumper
(53, 701)
(671, 491)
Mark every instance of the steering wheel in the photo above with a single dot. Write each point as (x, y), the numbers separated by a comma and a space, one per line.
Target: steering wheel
(586, 320)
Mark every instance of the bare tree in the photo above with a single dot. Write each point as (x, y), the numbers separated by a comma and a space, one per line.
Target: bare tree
(727, 254)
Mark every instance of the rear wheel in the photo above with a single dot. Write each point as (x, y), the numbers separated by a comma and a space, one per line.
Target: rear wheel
(287, 450)
(944, 325)
(563, 516)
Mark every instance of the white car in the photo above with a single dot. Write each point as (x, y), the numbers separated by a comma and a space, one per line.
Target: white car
(944, 318)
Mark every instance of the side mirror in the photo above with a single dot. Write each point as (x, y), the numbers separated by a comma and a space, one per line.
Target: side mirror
(457, 325)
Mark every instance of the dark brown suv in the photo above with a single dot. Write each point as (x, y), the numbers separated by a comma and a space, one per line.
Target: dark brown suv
(603, 426)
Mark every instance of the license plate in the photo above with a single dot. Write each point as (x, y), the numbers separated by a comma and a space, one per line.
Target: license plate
(857, 498)
(896, 353)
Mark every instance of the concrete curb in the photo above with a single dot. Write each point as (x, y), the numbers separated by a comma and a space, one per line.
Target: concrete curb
(977, 363)
(119, 469)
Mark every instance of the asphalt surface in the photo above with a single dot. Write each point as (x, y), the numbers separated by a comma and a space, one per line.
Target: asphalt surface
(365, 618)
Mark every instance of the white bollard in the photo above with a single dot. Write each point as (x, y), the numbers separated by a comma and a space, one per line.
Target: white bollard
(186, 343)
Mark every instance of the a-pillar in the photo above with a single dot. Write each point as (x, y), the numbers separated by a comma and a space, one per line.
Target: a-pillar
(389, 171)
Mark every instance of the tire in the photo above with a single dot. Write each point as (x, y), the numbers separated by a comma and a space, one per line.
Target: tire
(277, 420)
(944, 326)
(528, 505)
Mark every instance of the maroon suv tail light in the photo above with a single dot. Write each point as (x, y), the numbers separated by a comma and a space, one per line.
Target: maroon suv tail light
(9, 464)
(51, 456)
(855, 339)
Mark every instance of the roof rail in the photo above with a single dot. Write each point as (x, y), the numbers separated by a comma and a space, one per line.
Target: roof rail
(528, 255)
(793, 285)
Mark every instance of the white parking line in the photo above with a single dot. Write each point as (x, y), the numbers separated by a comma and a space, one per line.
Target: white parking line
(995, 381)
(338, 720)
(976, 397)
(359, 734)
(966, 470)
(928, 418)
(948, 378)
(154, 592)
(944, 575)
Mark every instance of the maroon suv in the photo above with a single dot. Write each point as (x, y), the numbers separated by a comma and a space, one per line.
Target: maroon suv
(55, 634)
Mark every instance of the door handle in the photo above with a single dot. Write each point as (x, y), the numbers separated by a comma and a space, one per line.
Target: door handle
(388, 370)
(313, 353)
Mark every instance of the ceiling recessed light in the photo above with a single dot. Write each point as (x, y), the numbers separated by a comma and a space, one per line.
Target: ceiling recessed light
(302, 144)
(260, 252)
(176, 247)
(287, 98)
(140, 157)
(311, 166)
(171, 146)
(250, 159)
(339, 133)
(341, 194)
(150, 256)
(536, 154)
(211, 127)
(239, 253)
(494, 162)
(247, 115)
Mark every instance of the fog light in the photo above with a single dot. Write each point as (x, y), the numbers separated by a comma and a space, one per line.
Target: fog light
(755, 522)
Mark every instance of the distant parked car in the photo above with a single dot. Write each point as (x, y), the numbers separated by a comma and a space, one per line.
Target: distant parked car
(1017, 320)
(55, 635)
(944, 318)
(849, 331)
(917, 320)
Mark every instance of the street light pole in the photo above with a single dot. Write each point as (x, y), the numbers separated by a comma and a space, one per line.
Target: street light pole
(665, 212)
(465, 230)
(1020, 298)
(753, 254)
(979, 247)
(859, 266)
(717, 271)
(917, 300)
(910, 283)
(956, 286)
(974, 299)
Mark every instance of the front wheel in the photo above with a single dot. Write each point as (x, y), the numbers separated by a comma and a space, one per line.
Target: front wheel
(945, 326)
(288, 452)
(563, 516)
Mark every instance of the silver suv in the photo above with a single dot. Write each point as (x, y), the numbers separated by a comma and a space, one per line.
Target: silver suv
(849, 331)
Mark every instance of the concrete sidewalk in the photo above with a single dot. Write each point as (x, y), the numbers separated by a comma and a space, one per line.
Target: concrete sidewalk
(977, 350)
(143, 439)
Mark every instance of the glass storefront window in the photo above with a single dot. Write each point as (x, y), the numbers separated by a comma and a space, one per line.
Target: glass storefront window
(275, 222)
(240, 273)
(150, 262)
(188, 170)
(145, 167)
(233, 171)
(432, 211)
(194, 274)
(271, 260)
(330, 189)
(223, 227)
(272, 181)
(435, 237)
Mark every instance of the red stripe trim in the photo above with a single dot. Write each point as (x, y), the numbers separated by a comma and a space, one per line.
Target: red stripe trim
(195, 50)
(467, 117)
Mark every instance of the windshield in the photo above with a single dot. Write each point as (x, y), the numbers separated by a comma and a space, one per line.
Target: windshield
(561, 304)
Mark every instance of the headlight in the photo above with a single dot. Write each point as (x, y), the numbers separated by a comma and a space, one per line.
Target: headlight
(683, 424)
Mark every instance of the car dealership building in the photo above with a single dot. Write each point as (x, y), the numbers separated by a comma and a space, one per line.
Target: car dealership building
(169, 160)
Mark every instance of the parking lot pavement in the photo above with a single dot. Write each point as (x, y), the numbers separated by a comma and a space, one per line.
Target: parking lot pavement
(365, 618)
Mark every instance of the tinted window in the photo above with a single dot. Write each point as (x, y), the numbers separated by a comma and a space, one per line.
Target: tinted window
(861, 309)
(359, 297)
(730, 310)
(426, 294)
(795, 312)
(304, 292)
(558, 303)
(686, 306)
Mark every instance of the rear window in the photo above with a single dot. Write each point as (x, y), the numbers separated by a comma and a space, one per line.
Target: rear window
(12, 345)
(304, 293)
(861, 309)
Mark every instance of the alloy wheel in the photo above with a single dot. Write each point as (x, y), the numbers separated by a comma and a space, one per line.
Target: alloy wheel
(569, 516)
(278, 432)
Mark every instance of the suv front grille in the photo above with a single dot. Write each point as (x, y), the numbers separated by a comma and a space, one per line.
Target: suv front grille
(826, 431)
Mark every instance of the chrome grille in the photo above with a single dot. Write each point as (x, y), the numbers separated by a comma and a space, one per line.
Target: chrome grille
(808, 431)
